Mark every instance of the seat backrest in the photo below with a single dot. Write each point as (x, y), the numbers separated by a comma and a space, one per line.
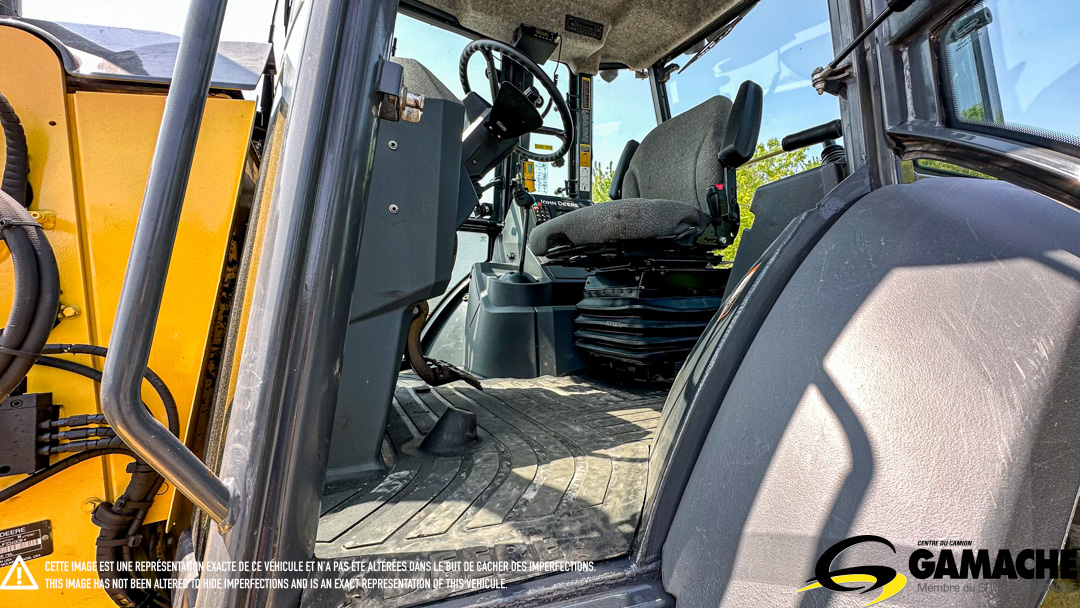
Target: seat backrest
(678, 160)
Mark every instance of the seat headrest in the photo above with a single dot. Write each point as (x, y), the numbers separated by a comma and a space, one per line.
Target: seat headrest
(743, 126)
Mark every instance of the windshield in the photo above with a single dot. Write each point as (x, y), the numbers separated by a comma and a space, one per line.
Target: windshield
(439, 51)
(777, 45)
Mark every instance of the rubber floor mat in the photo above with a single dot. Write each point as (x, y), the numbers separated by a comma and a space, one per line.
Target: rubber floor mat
(558, 475)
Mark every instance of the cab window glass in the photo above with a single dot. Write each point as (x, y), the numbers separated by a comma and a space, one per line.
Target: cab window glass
(622, 110)
(1013, 64)
(547, 177)
(777, 45)
(438, 50)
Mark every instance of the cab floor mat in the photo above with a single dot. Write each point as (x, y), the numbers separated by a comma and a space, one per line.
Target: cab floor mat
(557, 475)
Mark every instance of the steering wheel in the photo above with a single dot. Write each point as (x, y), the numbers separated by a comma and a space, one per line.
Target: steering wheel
(486, 47)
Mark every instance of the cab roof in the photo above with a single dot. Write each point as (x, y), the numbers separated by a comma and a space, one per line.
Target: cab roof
(636, 33)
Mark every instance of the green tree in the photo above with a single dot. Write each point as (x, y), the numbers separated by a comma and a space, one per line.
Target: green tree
(944, 167)
(601, 182)
(751, 177)
(976, 113)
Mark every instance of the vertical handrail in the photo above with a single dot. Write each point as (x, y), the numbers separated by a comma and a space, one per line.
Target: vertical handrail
(148, 267)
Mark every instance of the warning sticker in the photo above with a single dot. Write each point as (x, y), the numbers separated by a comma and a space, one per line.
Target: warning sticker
(585, 179)
(543, 147)
(528, 175)
(584, 156)
(29, 541)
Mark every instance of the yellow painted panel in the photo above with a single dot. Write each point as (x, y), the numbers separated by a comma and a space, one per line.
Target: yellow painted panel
(90, 154)
(32, 79)
(116, 136)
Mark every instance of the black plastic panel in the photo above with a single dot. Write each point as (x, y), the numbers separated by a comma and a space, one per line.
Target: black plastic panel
(916, 379)
(774, 206)
(695, 397)
(406, 256)
(520, 330)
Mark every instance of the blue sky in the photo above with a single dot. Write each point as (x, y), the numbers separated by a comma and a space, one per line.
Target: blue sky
(777, 45)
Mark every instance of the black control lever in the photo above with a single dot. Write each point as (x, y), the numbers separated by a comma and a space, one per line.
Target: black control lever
(524, 199)
(813, 136)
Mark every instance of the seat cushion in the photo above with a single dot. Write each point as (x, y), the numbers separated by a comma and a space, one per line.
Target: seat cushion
(628, 219)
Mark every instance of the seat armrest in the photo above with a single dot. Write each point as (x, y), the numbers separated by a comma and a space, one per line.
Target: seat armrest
(615, 192)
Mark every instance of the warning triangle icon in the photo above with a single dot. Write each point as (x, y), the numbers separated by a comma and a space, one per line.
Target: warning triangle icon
(18, 576)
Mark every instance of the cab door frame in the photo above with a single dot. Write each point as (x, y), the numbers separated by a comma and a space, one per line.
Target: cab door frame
(913, 108)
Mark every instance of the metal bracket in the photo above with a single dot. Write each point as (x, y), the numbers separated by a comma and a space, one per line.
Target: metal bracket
(395, 101)
(832, 80)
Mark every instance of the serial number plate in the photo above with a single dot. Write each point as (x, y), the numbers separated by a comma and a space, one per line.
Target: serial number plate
(31, 541)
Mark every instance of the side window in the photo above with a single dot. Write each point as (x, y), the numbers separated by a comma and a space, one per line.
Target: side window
(1012, 65)
(622, 110)
(778, 44)
(438, 50)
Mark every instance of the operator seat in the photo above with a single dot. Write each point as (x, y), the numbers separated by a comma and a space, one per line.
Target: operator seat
(653, 282)
(665, 183)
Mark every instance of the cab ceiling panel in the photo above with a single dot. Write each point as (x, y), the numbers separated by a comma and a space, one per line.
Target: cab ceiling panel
(635, 32)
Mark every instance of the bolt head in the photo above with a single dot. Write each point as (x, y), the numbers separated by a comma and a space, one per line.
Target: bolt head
(392, 145)
(393, 209)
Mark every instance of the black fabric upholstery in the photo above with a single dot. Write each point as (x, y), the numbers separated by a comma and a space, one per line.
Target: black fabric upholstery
(624, 220)
(678, 159)
(665, 187)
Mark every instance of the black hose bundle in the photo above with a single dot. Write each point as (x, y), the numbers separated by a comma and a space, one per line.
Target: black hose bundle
(17, 164)
(37, 281)
(172, 416)
(119, 521)
(36, 295)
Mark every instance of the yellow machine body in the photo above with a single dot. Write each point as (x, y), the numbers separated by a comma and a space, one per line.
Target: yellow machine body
(90, 153)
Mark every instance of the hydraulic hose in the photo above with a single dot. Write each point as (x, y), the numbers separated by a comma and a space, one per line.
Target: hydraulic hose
(167, 400)
(119, 522)
(26, 288)
(53, 469)
(17, 165)
(37, 294)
